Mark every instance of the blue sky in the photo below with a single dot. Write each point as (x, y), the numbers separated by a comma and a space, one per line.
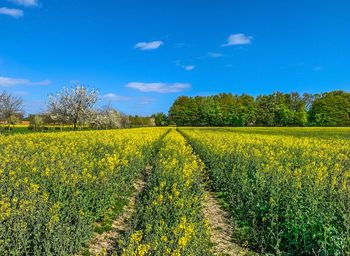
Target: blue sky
(141, 54)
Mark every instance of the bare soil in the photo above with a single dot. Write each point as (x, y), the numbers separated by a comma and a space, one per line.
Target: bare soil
(221, 228)
(103, 244)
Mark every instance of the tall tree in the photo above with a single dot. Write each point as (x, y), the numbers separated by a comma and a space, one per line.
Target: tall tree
(212, 111)
(228, 107)
(299, 108)
(246, 111)
(181, 111)
(11, 108)
(265, 110)
(72, 105)
(280, 109)
(331, 109)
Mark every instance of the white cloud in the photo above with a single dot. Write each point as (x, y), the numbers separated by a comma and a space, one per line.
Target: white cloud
(238, 39)
(189, 68)
(186, 67)
(11, 82)
(145, 46)
(114, 97)
(159, 87)
(25, 2)
(214, 54)
(16, 13)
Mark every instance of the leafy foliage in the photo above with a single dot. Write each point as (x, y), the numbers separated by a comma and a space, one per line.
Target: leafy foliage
(277, 109)
(331, 109)
(219, 110)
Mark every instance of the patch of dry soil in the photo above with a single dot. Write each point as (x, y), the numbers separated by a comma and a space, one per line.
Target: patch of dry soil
(221, 228)
(103, 244)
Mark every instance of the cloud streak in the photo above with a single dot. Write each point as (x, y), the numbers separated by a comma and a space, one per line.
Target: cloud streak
(185, 67)
(114, 97)
(159, 87)
(15, 13)
(26, 3)
(146, 46)
(189, 68)
(238, 39)
(12, 82)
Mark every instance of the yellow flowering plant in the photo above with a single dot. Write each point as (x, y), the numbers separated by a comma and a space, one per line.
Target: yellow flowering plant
(288, 189)
(53, 187)
(169, 214)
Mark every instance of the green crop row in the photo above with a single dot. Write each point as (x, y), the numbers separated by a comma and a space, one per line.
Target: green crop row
(53, 187)
(169, 218)
(288, 195)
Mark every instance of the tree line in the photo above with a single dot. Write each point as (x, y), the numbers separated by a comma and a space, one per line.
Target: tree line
(75, 106)
(276, 109)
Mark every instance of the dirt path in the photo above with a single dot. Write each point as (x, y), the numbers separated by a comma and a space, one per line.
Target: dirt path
(103, 244)
(220, 228)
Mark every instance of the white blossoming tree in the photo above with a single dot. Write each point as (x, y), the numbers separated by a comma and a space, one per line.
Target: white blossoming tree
(106, 118)
(72, 105)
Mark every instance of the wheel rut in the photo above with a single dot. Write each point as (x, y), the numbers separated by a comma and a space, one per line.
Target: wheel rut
(105, 243)
(221, 229)
(220, 224)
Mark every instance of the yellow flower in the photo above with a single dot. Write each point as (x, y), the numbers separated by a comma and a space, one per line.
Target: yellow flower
(136, 237)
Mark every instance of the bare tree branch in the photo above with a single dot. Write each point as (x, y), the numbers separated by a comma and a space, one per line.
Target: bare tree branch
(11, 107)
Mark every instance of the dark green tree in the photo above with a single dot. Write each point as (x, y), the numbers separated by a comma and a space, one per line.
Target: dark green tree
(280, 109)
(246, 111)
(265, 110)
(331, 109)
(212, 112)
(277, 109)
(183, 111)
